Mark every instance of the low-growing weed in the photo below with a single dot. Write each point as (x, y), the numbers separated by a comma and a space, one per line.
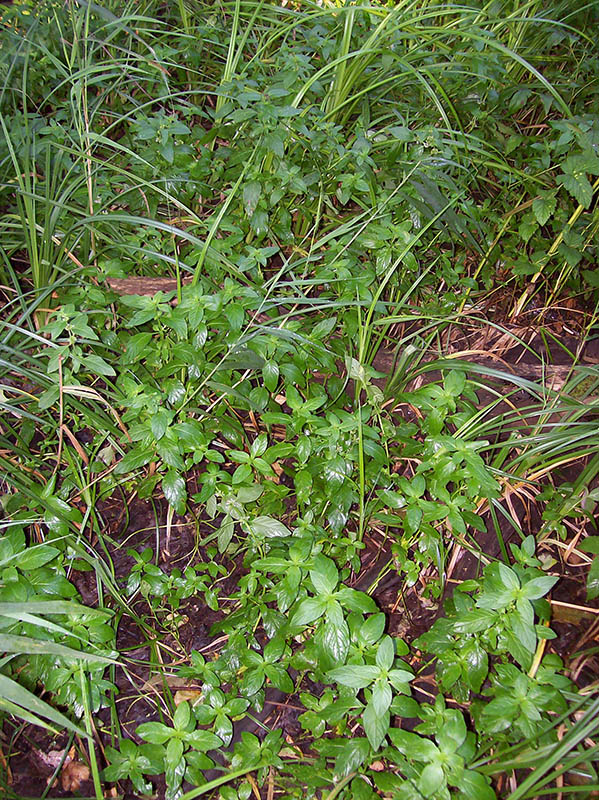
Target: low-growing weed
(236, 496)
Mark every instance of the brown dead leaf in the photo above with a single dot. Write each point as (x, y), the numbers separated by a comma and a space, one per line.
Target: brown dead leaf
(73, 775)
(193, 695)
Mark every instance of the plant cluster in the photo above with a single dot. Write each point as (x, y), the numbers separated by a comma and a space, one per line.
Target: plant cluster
(308, 186)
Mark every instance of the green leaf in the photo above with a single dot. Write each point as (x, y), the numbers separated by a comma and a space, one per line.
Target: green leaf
(270, 375)
(168, 151)
(268, 527)
(279, 677)
(173, 487)
(356, 676)
(474, 621)
(475, 786)
(182, 716)
(309, 610)
(385, 653)
(251, 195)
(543, 206)
(335, 470)
(36, 556)
(259, 445)
(376, 726)
(26, 645)
(453, 732)
(372, 629)
(154, 732)
(508, 577)
(538, 587)
(400, 678)
(354, 753)
(335, 639)
(203, 740)
(303, 485)
(381, 697)
(97, 365)
(173, 758)
(590, 545)
(476, 665)
(414, 747)
(134, 459)
(356, 601)
(593, 580)
(578, 185)
(432, 779)
(324, 575)
(225, 534)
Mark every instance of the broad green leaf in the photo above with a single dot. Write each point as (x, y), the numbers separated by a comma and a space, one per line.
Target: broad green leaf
(593, 580)
(225, 534)
(182, 716)
(323, 328)
(356, 601)
(159, 423)
(303, 485)
(335, 639)
(203, 740)
(259, 445)
(578, 185)
(474, 786)
(249, 494)
(279, 677)
(413, 746)
(309, 610)
(154, 732)
(508, 577)
(354, 753)
(486, 484)
(385, 653)
(538, 587)
(175, 493)
(36, 556)
(432, 778)
(590, 545)
(134, 459)
(375, 727)
(381, 697)
(173, 755)
(324, 575)
(268, 527)
(474, 621)
(400, 678)
(476, 665)
(96, 364)
(251, 195)
(453, 732)
(403, 706)
(372, 629)
(543, 206)
(270, 375)
(335, 470)
(356, 676)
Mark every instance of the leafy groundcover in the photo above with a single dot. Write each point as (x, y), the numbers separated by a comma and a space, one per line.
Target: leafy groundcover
(299, 398)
